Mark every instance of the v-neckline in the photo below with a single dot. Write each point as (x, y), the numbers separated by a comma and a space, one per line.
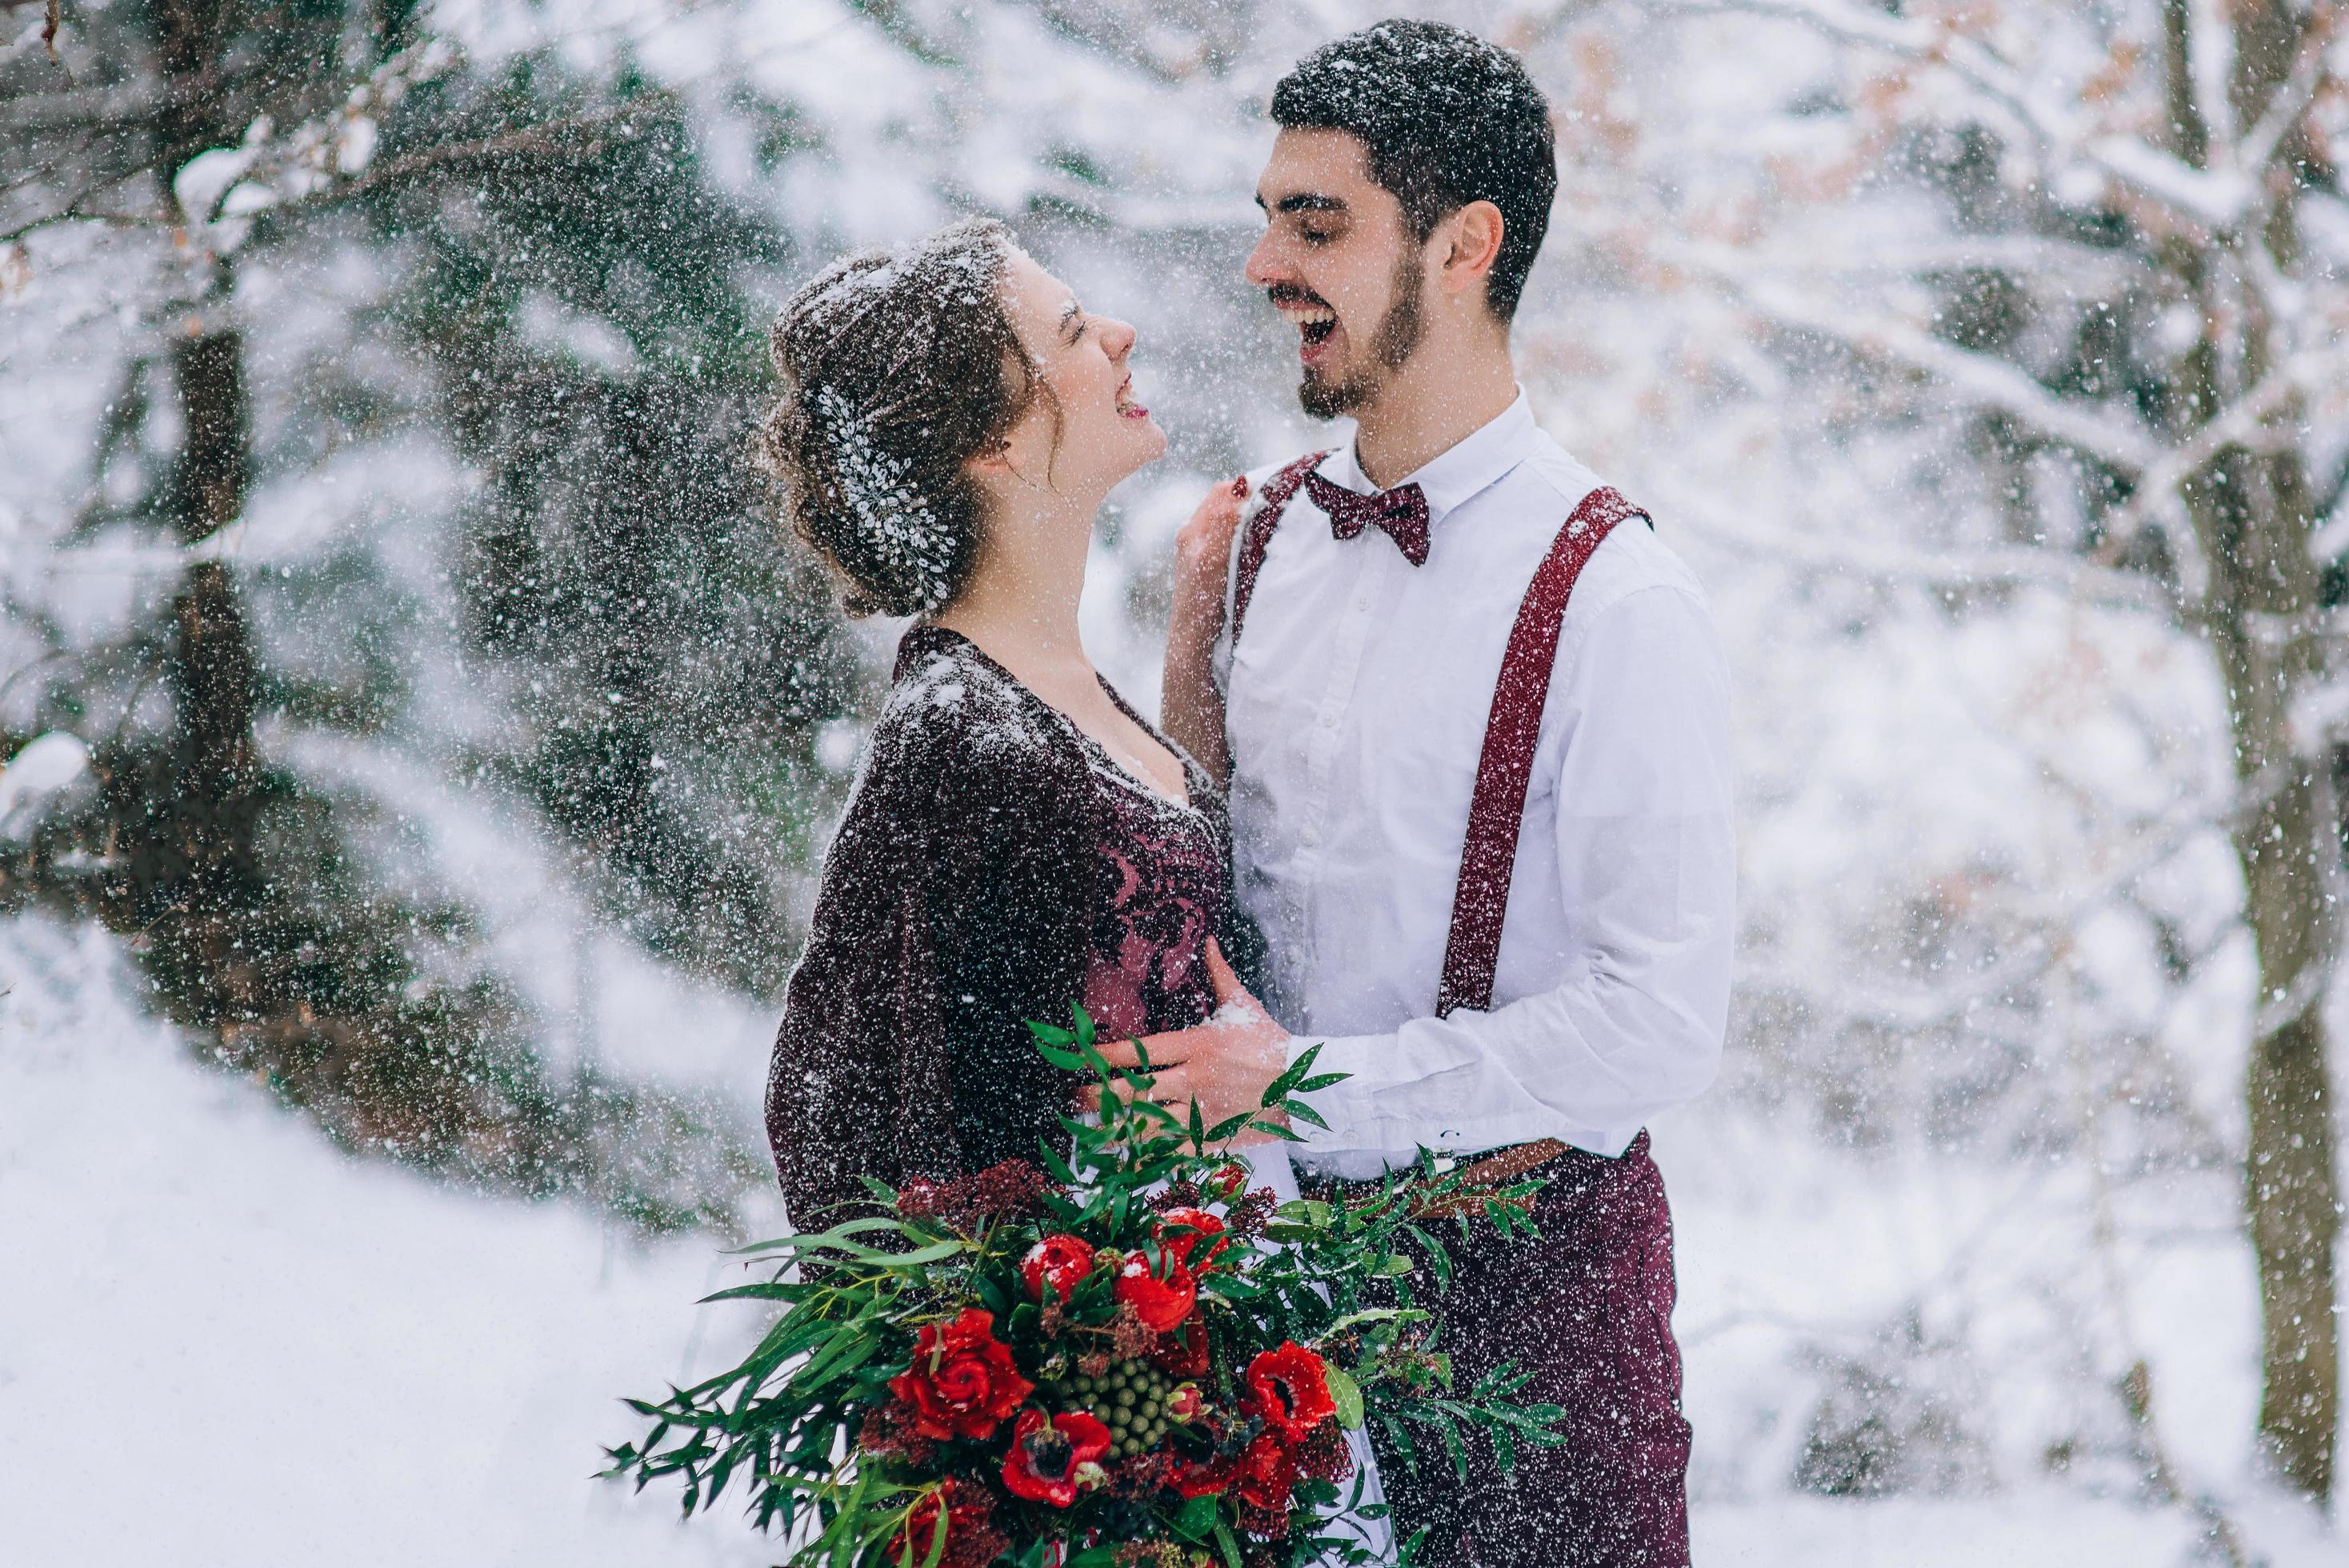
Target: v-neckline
(1186, 801)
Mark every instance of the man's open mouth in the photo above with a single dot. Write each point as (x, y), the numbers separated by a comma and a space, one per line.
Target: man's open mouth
(1313, 320)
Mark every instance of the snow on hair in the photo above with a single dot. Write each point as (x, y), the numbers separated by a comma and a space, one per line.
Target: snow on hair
(895, 372)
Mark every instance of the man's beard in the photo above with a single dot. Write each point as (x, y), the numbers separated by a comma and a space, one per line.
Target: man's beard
(1391, 345)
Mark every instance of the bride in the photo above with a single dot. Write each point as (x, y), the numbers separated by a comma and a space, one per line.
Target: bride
(1020, 837)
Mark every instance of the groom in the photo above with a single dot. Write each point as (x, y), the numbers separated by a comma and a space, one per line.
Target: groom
(1475, 721)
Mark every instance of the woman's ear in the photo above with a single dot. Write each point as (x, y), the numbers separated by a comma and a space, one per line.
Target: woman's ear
(994, 463)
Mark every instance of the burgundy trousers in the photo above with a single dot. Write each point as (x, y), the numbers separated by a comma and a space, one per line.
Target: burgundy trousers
(1587, 1310)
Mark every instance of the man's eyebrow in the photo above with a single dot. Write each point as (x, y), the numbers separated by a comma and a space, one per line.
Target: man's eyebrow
(1306, 201)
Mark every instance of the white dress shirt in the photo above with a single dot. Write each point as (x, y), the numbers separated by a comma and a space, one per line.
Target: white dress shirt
(1355, 710)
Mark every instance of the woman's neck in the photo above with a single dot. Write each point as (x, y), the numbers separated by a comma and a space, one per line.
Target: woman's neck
(1021, 603)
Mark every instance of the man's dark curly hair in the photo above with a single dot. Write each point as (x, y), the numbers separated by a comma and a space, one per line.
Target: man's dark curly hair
(1448, 119)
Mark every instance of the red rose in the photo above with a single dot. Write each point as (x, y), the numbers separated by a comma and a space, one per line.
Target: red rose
(1189, 1228)
(971, 1543)
(1291, 1390)
(1185, 1403)
(1268, 1473)
(1052, 1455)
(1183, 1353)
(1227, 1180)
(1160, 1300)
(1060, 1261)
(962, 1382)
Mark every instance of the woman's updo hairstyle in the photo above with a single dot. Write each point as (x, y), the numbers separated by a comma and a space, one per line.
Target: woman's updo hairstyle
(898, 368)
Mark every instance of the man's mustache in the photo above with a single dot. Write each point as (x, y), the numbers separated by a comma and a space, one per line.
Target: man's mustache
(1289, 293)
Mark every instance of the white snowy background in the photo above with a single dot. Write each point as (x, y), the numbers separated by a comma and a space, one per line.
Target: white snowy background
(1976, 1148)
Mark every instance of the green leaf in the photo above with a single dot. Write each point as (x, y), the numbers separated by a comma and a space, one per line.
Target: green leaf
(1069, 1060)
(1050, 1035)
(1282, 1086)
(1376, 1314)
(1298, 1110)
(1227, 1545)
(1347, 1395)
(1392, 1266)
(1196, 1519)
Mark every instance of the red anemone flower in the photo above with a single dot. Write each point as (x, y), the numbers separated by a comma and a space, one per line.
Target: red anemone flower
(1058, 1261)
(1048, 1453)
(962, 1383)
(1203, 1477)
(1160, 1299)
(1190, 1228)
(1291, 1390)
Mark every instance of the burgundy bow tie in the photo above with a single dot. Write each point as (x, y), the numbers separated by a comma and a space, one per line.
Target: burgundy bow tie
(1401, 512)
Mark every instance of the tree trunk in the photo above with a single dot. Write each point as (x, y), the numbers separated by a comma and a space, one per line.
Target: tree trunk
(2252, 514)
(2286, 841)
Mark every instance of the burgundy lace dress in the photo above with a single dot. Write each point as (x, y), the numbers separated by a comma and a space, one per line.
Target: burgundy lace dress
(1162, 889)
(993, 866)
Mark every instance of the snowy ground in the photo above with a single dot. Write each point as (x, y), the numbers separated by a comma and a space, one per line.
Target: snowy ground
(221, 1342)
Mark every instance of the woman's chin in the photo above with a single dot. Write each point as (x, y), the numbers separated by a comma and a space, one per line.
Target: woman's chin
(1151, 441)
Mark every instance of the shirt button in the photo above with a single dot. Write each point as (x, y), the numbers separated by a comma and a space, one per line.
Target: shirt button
(1311, 836)
(1329, 721)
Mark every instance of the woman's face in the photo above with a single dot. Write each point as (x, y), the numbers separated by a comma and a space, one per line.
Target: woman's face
(1102, 434)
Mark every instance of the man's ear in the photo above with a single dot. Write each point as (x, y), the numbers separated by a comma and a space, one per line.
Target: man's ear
(1475, 246)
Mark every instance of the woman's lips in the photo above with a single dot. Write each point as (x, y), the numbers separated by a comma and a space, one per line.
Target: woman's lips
(1127, 409)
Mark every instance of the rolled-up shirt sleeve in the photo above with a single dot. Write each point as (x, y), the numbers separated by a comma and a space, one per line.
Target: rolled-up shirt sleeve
(1638, 750)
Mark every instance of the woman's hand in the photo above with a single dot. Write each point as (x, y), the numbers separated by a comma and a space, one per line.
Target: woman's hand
(1190, 707)
(1203, 553)
(1226, 1064)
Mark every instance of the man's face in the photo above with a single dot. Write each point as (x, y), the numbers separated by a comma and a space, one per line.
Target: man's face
(1339, 261)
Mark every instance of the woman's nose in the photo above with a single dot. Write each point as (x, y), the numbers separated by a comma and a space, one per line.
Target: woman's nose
(1118, 337)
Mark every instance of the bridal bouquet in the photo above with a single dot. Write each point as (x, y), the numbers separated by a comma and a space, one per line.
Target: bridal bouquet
(1122, 1359)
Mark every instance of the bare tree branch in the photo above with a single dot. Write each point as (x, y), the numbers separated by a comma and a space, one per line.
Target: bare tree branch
(2309, 78)
(2126, 445)
(2195, 197)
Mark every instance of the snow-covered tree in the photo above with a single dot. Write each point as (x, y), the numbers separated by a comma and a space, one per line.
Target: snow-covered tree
(2110, 238)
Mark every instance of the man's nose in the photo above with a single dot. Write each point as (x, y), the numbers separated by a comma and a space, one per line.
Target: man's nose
(1266, 266)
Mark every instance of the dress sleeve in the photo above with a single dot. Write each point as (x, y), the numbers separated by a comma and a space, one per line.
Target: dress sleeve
(858, 1084)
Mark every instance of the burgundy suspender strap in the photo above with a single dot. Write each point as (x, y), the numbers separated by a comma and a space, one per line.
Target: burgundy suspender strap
(1504, 768)
(1278, 492)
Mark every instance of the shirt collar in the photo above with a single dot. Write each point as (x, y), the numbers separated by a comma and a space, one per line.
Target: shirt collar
(1468, 467)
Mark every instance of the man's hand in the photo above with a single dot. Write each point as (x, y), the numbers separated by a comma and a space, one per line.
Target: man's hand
(1226, 1064)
